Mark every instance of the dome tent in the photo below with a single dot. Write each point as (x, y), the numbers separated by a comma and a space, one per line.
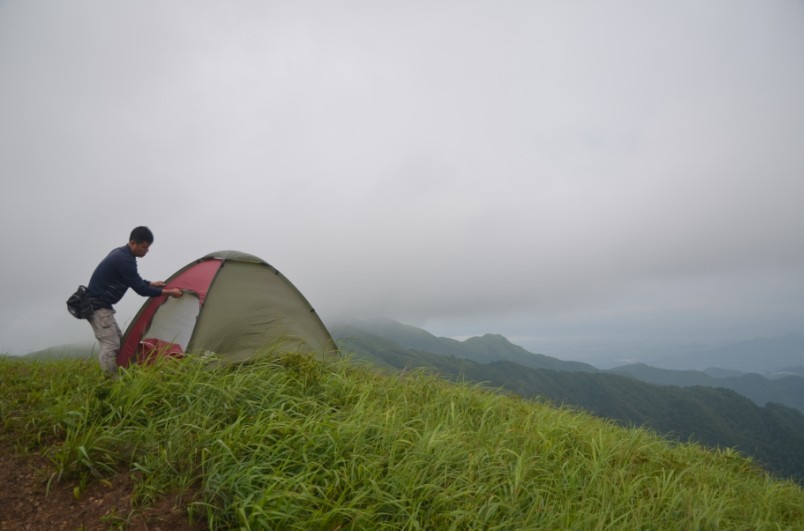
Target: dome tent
(234, 305)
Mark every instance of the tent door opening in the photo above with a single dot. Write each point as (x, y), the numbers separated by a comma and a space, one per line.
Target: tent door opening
(172, 327)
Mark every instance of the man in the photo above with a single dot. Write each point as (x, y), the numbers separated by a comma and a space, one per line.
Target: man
(110, 281)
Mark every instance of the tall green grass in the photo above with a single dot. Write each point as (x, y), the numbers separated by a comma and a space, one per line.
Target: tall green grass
(293, 443)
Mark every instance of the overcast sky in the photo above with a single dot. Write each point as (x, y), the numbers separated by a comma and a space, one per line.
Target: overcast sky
(567, 173)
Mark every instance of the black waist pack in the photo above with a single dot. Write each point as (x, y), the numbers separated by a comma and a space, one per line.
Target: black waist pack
(79, 304)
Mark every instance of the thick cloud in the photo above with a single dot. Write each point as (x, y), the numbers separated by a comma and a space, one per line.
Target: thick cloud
(551, 171)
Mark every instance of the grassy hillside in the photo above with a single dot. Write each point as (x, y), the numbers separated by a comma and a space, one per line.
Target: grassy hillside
(292, 443)
(772, 434)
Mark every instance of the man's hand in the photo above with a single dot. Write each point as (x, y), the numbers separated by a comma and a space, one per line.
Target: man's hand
(157, 284)
(173, 292)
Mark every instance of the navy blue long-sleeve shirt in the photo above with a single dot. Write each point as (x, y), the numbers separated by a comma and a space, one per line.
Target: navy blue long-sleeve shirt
(115, 274)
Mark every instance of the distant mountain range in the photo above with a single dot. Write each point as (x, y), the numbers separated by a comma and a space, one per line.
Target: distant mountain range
(768, 356)
(787, 390)
(688, 405)
(773, 358)
(485, 349)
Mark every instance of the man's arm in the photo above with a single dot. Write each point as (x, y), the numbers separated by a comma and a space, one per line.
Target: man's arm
(132, 278)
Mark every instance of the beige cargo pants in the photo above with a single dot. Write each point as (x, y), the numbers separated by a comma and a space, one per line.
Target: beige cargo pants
(108, 335)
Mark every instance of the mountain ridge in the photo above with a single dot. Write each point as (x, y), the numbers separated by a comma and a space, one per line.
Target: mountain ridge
(482, 349)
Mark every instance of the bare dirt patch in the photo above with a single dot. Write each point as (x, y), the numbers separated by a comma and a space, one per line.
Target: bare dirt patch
(27, 504)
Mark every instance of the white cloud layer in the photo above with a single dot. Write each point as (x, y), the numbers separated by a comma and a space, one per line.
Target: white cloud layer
(553, 171)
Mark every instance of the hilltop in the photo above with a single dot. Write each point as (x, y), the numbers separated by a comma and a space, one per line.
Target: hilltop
(294, 443)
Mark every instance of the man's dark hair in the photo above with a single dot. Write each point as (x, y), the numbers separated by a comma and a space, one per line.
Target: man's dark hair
(141, 234)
